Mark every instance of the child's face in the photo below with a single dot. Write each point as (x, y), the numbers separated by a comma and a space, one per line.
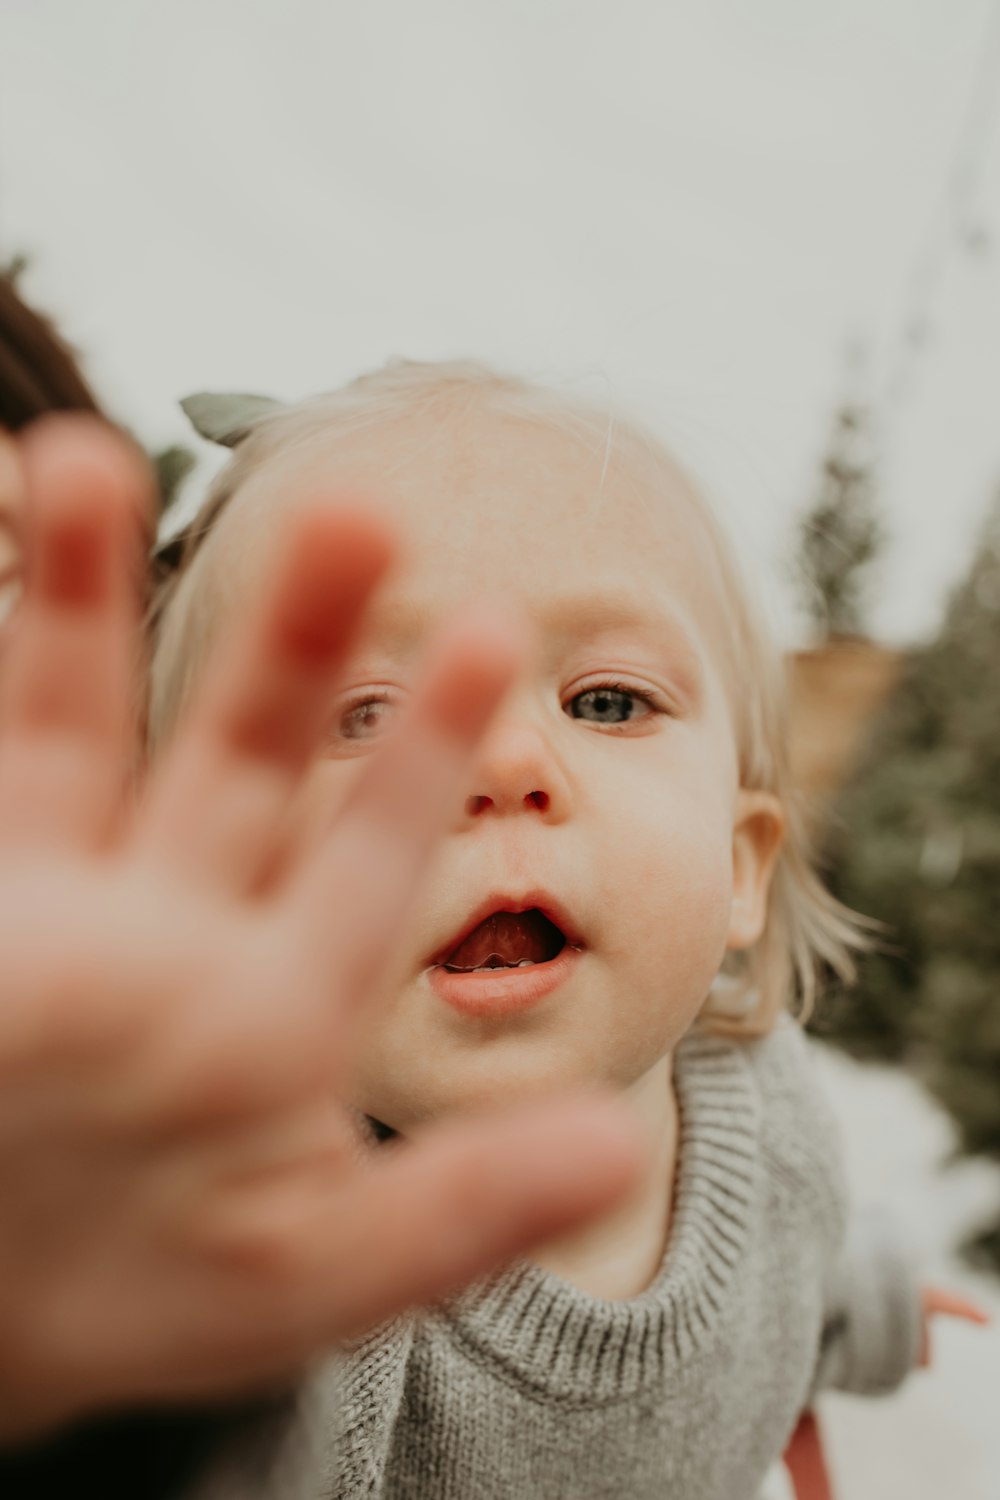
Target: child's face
(606, 793)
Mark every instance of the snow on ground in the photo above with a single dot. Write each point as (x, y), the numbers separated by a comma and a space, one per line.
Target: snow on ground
(939, 1437)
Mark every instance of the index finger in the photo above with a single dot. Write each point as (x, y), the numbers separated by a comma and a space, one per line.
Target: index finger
(216, 806)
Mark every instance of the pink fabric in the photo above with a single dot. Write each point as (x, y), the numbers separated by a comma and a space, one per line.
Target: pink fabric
(806, 1462)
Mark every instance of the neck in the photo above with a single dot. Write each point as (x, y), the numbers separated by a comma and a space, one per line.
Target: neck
(618, 1255)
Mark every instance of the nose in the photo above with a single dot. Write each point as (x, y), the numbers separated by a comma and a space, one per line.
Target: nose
(517, 772)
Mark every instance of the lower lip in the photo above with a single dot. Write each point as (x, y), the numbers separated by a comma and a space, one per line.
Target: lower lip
(503, 992)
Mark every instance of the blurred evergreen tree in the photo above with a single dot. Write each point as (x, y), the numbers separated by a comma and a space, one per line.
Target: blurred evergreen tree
(841, 535)
(915, 842)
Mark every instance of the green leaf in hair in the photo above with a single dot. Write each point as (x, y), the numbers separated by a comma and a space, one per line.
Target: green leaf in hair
(227, 418)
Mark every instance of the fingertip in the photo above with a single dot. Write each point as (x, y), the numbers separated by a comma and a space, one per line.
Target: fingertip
(602, 1129)
(88, 495)
(80, 464)
(494, 626)
(572, 1156)
(335, 559)
(346, 523)
(476, 660)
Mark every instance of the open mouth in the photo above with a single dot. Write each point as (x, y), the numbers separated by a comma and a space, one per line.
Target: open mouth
(506, 940)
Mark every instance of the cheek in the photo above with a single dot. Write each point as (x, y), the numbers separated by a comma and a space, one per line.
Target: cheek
(673, 883)
(321, 799)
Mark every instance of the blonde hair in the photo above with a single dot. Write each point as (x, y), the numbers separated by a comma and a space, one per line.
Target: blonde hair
(807, 932)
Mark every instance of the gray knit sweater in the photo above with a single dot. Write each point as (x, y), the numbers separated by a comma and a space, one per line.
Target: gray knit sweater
(527, 1389)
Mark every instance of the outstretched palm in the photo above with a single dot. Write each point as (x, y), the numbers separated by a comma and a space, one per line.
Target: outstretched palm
(186, 1211)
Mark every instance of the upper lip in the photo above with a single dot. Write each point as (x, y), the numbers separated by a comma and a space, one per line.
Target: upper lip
(503, 901)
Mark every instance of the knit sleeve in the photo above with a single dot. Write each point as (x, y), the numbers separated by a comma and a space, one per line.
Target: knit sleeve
(873, 1321)
(870, 1316)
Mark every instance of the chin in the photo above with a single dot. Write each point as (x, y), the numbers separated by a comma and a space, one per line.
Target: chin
(485, 1084)
(430, 1064)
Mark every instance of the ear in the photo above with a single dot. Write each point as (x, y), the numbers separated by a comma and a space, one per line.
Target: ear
(758, 834)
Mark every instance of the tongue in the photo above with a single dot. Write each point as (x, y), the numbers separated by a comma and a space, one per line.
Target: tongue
(508, 938)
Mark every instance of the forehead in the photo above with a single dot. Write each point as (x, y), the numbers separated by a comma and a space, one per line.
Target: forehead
(560, 517)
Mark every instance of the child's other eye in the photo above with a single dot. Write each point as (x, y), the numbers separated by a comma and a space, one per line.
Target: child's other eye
(610, 703)
(364, 720)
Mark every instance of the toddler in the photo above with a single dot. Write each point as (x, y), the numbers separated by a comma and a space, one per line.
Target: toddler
(625, 898)
(186, 1215)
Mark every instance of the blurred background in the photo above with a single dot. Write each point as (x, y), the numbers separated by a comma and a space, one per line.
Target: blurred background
(773, 232)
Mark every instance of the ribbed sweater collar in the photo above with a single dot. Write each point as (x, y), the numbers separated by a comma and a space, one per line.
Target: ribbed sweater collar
(547, 1335)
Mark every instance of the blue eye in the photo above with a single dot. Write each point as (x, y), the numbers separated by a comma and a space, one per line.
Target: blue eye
(608, 705)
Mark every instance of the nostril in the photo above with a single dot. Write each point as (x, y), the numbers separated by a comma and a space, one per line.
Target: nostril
(479, 804)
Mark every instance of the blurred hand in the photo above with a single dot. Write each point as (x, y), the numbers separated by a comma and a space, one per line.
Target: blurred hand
(186, 1212)
(937, 1304)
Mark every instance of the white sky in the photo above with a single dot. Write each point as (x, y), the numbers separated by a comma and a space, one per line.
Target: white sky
(691, 209)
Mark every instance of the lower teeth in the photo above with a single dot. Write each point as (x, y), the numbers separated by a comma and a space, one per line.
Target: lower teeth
(522, 963)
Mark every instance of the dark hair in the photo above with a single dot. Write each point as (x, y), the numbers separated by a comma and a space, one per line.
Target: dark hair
(37, 371)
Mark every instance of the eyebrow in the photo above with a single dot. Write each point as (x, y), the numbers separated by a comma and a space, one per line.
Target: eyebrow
(592, 613)
(616, 609)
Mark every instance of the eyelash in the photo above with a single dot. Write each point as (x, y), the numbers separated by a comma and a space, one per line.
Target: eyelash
(628, 690)
(625, 689)
(350, 709)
